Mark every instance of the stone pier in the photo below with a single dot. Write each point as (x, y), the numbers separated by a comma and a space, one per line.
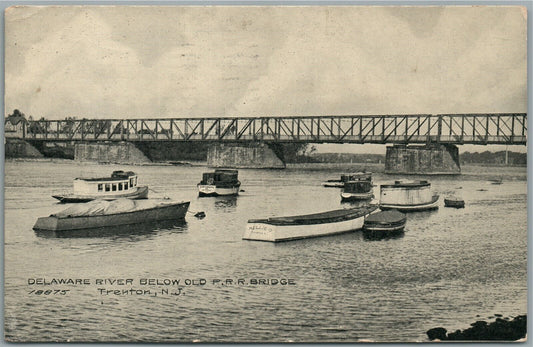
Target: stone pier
(16, 148)
(428, 159)
(110, 152)
(256, 155)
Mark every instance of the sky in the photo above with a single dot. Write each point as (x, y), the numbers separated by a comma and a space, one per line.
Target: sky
(160, 62)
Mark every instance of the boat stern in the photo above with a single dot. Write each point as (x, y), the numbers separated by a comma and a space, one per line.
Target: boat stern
(46, 224)
(258, 231)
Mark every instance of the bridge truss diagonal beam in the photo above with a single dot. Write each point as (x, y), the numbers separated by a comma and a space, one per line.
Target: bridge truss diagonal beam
(494, 128)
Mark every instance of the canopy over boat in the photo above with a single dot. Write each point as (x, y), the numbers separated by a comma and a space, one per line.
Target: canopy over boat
(318, 218)
(407, 184)
(104, 207)
(386, 217)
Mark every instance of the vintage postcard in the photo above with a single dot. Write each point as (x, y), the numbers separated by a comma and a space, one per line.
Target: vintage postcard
(265, 174)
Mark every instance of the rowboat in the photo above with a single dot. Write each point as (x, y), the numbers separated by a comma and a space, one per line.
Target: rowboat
(102, 213)
(384, 223)
(408, 196)
(222, 182)
(277, 229)
(121, 184)
(454, 202)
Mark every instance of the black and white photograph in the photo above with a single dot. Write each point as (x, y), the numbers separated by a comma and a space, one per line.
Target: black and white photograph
(265, 174)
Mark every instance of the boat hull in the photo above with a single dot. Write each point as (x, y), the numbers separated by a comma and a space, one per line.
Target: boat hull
(139, 193)
(213, 190)
(263, 230)
(333, 184)
(165, 212)
(356, 196)
(432, 205)
(454, 203)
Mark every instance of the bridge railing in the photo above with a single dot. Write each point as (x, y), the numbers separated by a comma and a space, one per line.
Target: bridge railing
(502, 128)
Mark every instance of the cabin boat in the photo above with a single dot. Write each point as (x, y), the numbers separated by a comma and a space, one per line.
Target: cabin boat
(347, 177)
(358, 189)
(454, 202)
(121, 184)
(221, 182)
(384, 223)
(103, 214)
(408, 196)
(277, 229)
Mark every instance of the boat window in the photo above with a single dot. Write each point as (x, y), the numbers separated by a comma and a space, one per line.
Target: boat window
(100, 187)
(114, 187)
(107, 187)
(125, 185)
(131, 182)
(120, 186)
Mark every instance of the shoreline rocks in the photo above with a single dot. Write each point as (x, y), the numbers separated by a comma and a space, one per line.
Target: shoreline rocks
(502, 329)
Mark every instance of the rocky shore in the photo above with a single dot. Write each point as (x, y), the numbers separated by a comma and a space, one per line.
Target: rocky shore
(502, 329)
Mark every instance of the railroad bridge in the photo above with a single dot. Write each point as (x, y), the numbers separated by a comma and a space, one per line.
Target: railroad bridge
(419, 142)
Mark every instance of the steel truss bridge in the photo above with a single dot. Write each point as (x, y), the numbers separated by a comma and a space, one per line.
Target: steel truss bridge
(494, 128)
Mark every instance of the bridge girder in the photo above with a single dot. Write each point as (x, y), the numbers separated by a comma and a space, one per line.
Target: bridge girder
(493, 128)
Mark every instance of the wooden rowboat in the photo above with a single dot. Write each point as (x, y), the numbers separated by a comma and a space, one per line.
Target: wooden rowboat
(98, 214)
(454, 202)
(384, 223)
(305, 226)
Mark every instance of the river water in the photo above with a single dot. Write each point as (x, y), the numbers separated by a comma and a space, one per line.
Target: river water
(450, 268)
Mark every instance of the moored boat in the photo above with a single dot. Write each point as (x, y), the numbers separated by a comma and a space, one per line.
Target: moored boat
(359, 189)
(305, 226)
(384, 223)
(356, 176)
(454, 202)
(221, 182)
(102, 213)
(408, 196)
(121, 184)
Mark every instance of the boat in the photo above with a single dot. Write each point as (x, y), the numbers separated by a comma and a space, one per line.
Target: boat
(454, 202)
(221, 182)
(347, 177)
(121, 184)
(408, 196)
(102, 213)
(384, 223)
(277, 229)
(360, 189)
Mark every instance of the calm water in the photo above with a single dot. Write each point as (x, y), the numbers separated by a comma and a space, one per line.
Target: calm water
(450, 268)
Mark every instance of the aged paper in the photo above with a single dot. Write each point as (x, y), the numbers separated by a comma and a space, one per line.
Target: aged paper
(165, 93)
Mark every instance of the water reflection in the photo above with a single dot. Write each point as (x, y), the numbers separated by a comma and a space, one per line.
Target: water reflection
(122, 231)
(226, 202)
(357, 203)
(380, 236)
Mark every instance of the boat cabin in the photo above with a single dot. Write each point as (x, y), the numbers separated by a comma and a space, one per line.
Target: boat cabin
(120, 182)
(362, 186)
(220, 175)
(406, 193)
(357, 176)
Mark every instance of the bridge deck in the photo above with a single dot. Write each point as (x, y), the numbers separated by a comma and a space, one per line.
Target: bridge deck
(495, 128)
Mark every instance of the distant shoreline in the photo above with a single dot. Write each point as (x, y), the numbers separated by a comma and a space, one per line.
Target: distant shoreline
(356, 166)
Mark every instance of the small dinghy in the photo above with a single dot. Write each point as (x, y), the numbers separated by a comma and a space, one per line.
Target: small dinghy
(304, 226)
(384, 223)
(454, 202)
(102, 213)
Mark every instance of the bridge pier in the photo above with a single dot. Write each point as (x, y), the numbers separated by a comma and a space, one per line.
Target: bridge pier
(427, 159)
(16, 148)
(253, 155)
(109, 152)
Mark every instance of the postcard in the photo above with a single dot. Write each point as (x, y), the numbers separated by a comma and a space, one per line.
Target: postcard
(265, 174)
